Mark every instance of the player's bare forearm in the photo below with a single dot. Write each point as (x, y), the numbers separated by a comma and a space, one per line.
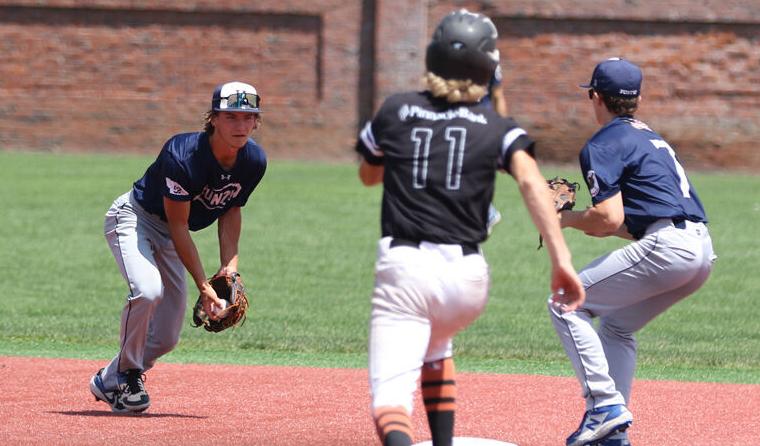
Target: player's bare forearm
(371, 174)
(533, 189)
(603, 220)
(229, 227)
(567, 290)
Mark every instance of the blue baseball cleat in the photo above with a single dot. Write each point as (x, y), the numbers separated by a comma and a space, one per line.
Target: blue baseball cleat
(100, 392)
(599, 424)
(618, 439)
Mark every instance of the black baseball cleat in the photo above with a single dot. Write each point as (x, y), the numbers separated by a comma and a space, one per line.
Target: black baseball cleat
(133, 397)
(129, 396)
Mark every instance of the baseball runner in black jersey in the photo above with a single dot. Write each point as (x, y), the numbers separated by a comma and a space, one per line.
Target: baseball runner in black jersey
(436, 153)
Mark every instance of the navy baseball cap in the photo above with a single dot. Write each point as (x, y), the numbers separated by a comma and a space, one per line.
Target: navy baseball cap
(616, 77)
(236, 97)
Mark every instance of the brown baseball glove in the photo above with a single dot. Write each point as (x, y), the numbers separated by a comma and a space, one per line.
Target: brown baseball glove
(231, 291)
(562, 192)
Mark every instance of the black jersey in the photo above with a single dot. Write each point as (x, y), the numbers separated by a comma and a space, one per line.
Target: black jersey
(440, 161)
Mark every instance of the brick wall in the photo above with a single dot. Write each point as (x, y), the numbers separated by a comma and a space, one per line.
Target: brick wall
(701, 63)
(123, 75)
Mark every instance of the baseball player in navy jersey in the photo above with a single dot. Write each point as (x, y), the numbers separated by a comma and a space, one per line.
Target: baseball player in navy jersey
(436, 153)
(198, 178)
(639, 191)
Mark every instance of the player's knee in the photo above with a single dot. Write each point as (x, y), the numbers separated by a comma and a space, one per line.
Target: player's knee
(610, 330)
(166, 346)
(148, 291)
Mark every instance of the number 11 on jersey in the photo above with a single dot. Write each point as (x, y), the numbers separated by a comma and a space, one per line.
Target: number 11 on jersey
(456, 137)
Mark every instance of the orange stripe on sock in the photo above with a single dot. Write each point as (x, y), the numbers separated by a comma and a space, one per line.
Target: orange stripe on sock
(439, 391)
(442, 370)
(388, 419)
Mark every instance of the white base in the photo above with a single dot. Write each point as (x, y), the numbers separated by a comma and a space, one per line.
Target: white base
(470, 441)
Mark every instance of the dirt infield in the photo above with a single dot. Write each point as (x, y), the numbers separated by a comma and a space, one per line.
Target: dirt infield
(47, 402)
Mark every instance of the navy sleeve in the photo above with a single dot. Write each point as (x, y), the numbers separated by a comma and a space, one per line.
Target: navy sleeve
(602, 169)
(176, 181)
(258, 169)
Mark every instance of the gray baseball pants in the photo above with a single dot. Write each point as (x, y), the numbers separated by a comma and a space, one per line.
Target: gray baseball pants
(626, 289)
(151, 320)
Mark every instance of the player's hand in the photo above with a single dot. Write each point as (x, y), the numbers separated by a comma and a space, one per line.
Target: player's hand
(568, 293)
(210, 300)
(226, 271)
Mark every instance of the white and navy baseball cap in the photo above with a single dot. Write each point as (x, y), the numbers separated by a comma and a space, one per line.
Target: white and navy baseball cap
(616, 77)
(236, 97)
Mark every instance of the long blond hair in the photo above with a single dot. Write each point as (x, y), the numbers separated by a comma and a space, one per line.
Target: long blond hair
(454, 90)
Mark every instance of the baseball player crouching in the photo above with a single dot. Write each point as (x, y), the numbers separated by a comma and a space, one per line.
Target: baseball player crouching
(639, 191)
(436, 153)
(198, 178)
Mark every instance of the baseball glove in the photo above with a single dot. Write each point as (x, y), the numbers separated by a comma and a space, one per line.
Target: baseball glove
(562, 192)
(231, 291)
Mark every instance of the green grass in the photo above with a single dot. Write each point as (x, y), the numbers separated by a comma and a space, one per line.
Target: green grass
(307, 254)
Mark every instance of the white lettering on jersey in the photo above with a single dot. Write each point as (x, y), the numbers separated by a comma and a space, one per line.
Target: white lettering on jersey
(421, 137)
(456, 137)
(175, 188)
(218, 198)
(407, 111)
(682, 180)
(593, 184)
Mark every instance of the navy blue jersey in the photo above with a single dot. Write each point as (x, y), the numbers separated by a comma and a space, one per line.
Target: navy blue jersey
(626, 156)
(440, 162)
(186, 170)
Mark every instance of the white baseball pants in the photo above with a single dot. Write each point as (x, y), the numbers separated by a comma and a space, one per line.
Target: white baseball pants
(421, 299)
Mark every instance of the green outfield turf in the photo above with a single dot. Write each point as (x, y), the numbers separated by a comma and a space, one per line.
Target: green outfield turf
(307, 254)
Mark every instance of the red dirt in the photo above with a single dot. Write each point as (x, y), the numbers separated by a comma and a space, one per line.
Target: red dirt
(47, 402)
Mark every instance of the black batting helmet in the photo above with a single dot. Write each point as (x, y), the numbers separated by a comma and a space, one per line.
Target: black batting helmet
(463, 47)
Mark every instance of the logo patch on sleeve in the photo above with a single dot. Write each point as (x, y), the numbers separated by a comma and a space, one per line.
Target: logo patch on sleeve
(175, 188)
(593, 184)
